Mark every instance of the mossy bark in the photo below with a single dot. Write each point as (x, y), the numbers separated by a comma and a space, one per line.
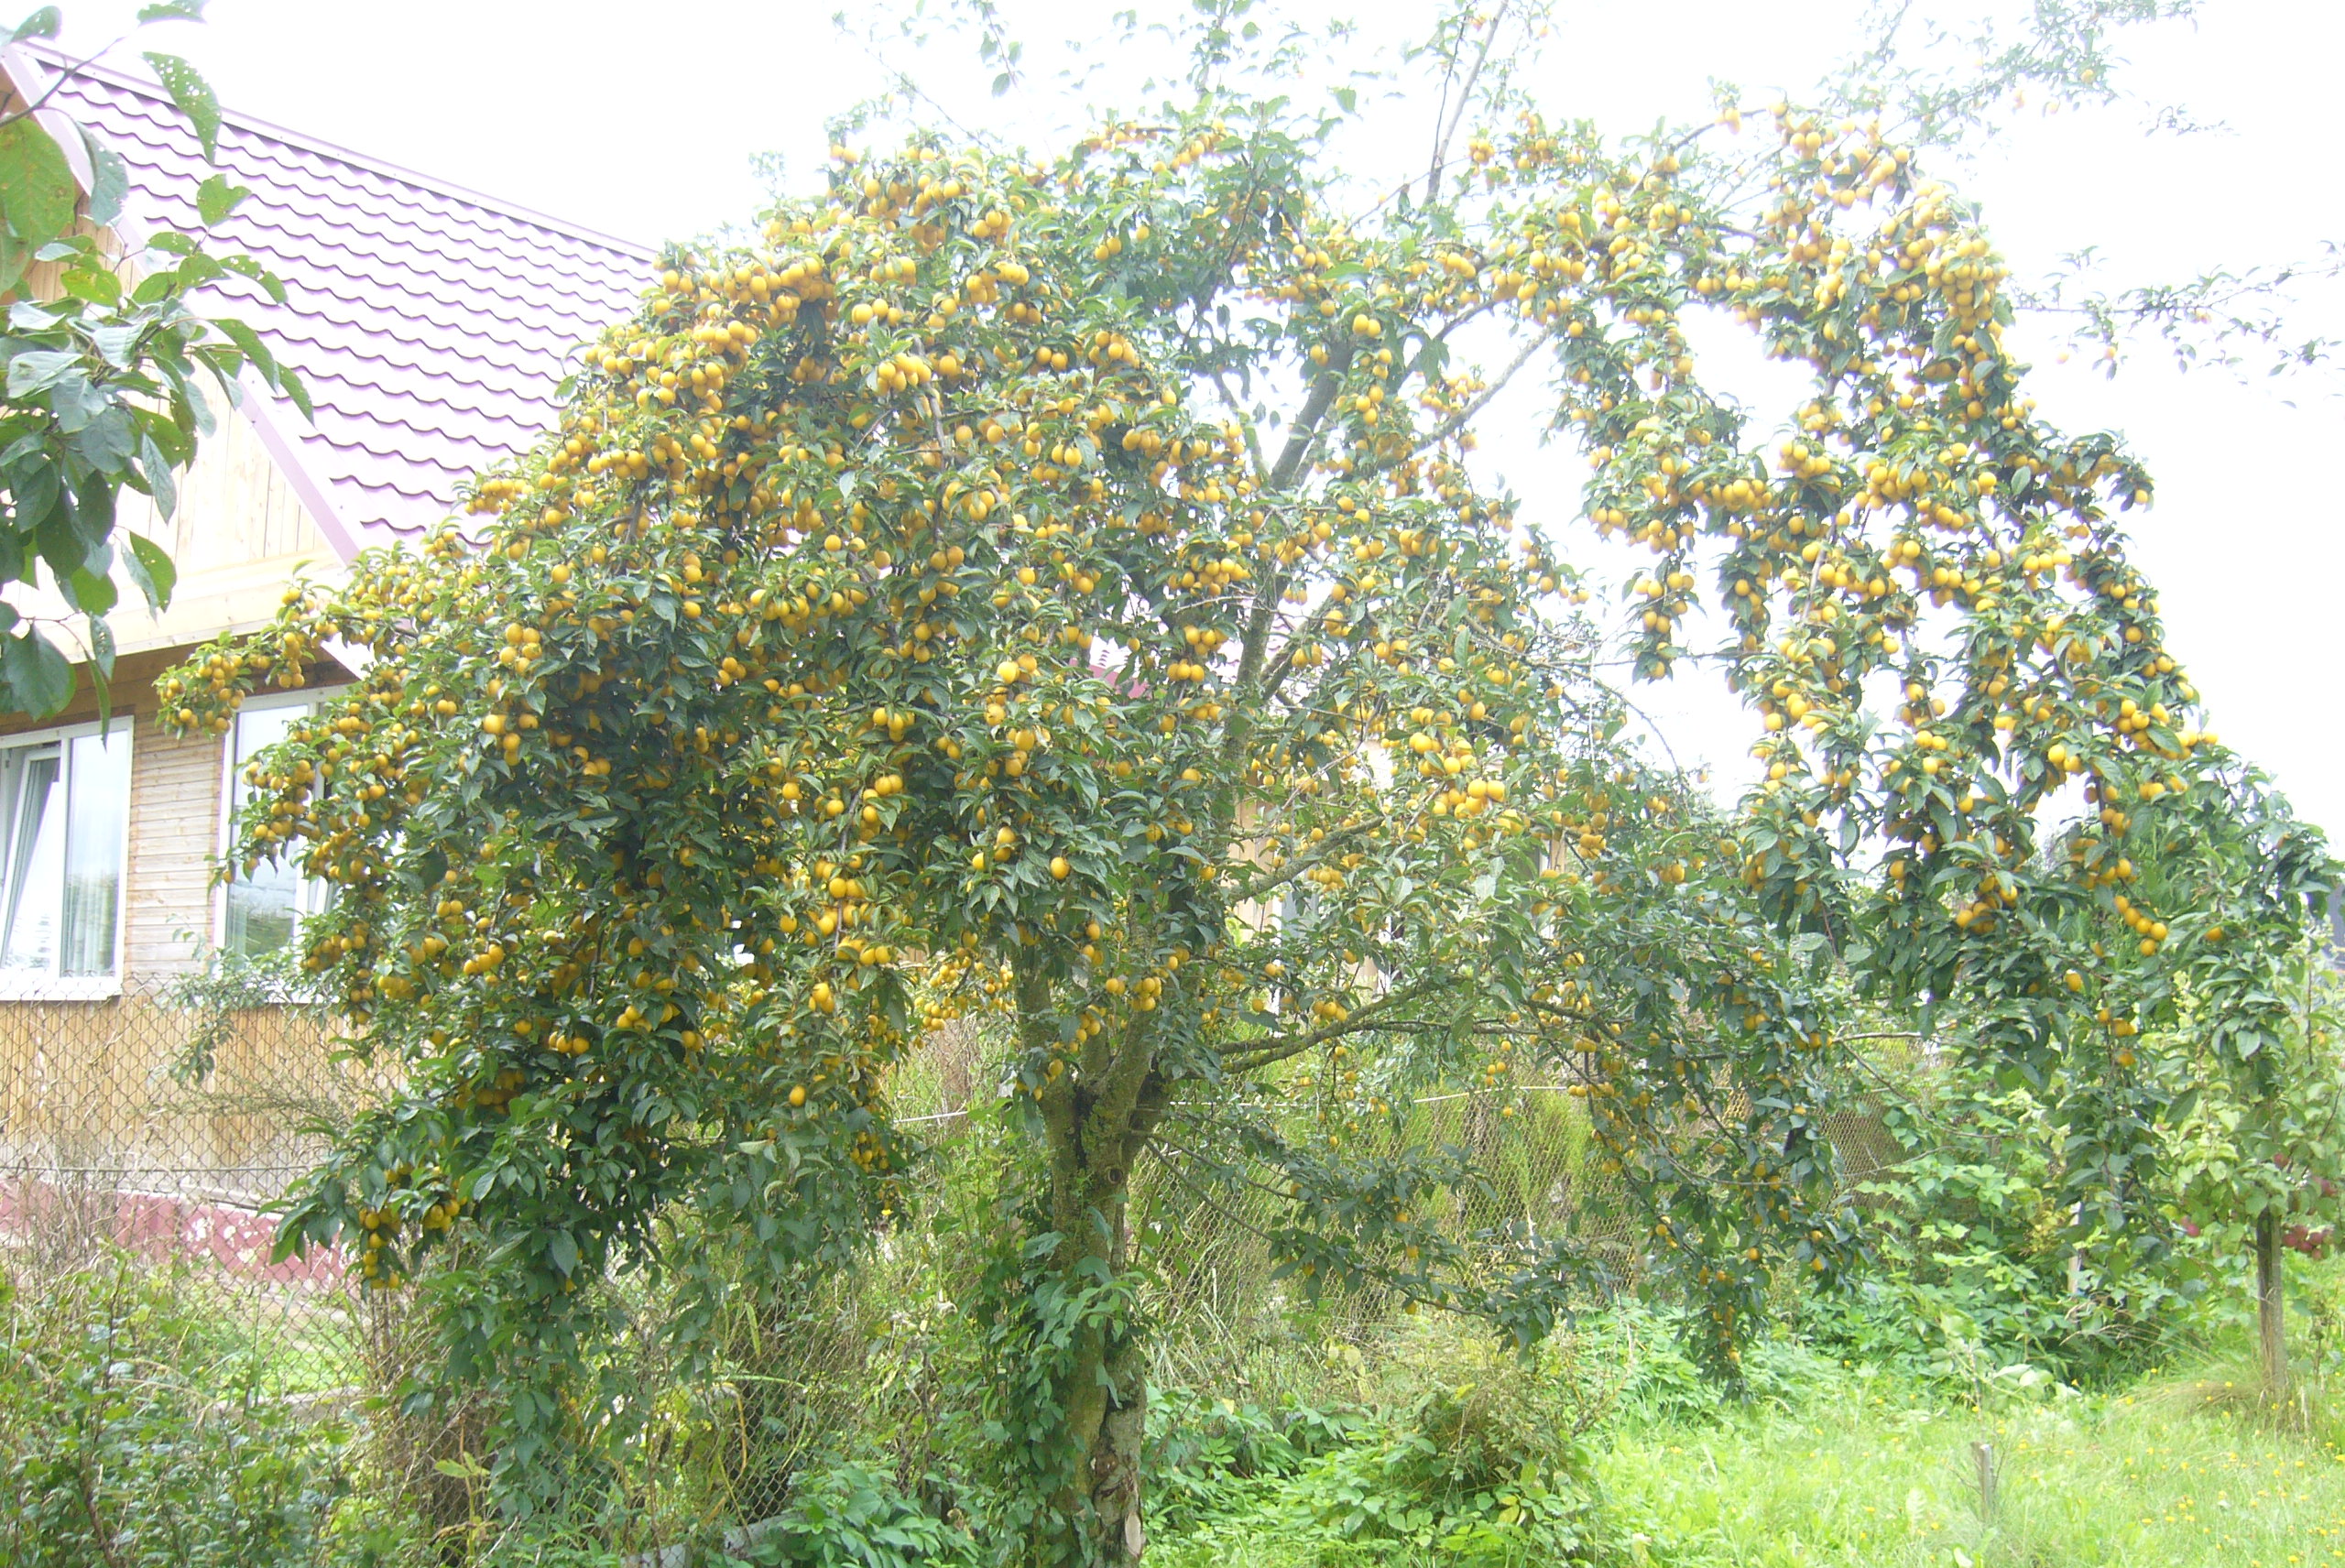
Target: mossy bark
(1098, 1115)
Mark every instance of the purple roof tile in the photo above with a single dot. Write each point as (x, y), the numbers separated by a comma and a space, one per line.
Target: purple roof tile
(430, 323)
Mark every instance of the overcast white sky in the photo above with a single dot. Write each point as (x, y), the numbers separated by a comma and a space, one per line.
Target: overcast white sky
(643, 120)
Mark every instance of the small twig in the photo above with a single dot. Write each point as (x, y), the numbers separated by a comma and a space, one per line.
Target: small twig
(1464, 98)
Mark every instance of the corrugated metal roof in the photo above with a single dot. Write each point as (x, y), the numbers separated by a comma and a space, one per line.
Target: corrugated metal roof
(431, 323)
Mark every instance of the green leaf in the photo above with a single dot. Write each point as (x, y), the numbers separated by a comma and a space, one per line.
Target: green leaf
(91, 591)
(109, 179)
(275, 290)
(98, 285)
(35, 488)
(296, 391)
(93, 497)
(106, 443)
(39, 370)
(217, 197)
(36, 189)
(277, 376)
(192, 94)
(195, 269)
(118, 345)
(162, 481)
(102, 670)
(40, 680)
(41, 24)
(171, 11)
(151, 570)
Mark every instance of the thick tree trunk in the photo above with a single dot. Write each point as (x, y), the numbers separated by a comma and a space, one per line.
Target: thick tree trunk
(1105, 1395)
(1099, 1121)
(2271, 1306)
(1107, 1416)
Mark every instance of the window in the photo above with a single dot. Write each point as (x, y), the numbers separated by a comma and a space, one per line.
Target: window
(64, 817)
(264, 907)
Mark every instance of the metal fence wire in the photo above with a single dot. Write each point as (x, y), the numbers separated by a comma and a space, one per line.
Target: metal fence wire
(162, 1122)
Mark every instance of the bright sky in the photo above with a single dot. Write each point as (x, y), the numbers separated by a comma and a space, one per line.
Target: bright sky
(643, 121)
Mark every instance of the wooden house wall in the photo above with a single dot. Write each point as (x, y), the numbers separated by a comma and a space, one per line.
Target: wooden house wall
(96, 1093)
(175, 784)
(238, 536)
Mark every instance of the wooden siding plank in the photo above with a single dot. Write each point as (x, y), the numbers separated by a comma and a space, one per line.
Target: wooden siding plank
(174, 838)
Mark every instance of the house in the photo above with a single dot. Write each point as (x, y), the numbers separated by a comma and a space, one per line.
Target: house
(432, 325)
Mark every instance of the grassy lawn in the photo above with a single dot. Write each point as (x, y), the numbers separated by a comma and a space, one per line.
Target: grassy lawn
(1855, 1468)
(2165, 1474)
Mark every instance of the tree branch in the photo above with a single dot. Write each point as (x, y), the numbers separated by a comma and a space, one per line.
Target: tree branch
(1464, 97)
(1464, 415)
(1254, 891)
(1257, 1054)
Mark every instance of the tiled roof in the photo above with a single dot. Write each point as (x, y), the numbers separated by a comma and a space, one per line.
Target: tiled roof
(430, 323)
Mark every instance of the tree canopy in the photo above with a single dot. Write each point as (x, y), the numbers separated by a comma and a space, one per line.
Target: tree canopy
(913, 616)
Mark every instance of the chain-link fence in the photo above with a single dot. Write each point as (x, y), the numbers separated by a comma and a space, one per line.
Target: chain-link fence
(161, 1122)
(164, 1121)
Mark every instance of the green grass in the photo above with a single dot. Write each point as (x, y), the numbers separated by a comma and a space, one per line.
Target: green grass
(2161, 1475)
(1856, 1468)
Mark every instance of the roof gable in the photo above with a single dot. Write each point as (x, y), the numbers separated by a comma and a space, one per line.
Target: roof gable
(432, 324)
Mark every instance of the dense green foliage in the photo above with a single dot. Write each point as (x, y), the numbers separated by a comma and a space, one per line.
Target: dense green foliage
(846, 1515)
(1423, 1448)
(139, 1428)
(849, 1414)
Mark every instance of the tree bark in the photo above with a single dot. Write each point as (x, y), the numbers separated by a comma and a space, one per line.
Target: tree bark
(1106, 1396)
(1107, 1416)
(2271, 1306)
(1099, 1120)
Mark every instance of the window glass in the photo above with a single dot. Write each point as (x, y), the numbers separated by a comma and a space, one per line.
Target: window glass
(97, 805)
(63, 807)
(267, 902)
(34, 860)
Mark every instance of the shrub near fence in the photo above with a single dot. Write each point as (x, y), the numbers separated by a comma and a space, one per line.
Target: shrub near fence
(161, 1122)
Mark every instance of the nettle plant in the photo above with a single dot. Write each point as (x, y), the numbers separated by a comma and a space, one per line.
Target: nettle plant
(912, 616)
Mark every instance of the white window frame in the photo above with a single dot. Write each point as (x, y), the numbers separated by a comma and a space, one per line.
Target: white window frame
(21, 987)
(311, 697)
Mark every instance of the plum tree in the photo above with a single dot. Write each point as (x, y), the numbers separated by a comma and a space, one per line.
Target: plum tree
(912, 615)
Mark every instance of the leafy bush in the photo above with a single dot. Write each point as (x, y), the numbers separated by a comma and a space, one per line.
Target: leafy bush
(1471, 1472)
(844, 1514)
(1205, 1456)
(1466, 1450)
(135, 1431)
(1978, 1267)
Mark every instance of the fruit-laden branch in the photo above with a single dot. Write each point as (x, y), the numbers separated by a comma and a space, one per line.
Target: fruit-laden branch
(1252, 1054)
